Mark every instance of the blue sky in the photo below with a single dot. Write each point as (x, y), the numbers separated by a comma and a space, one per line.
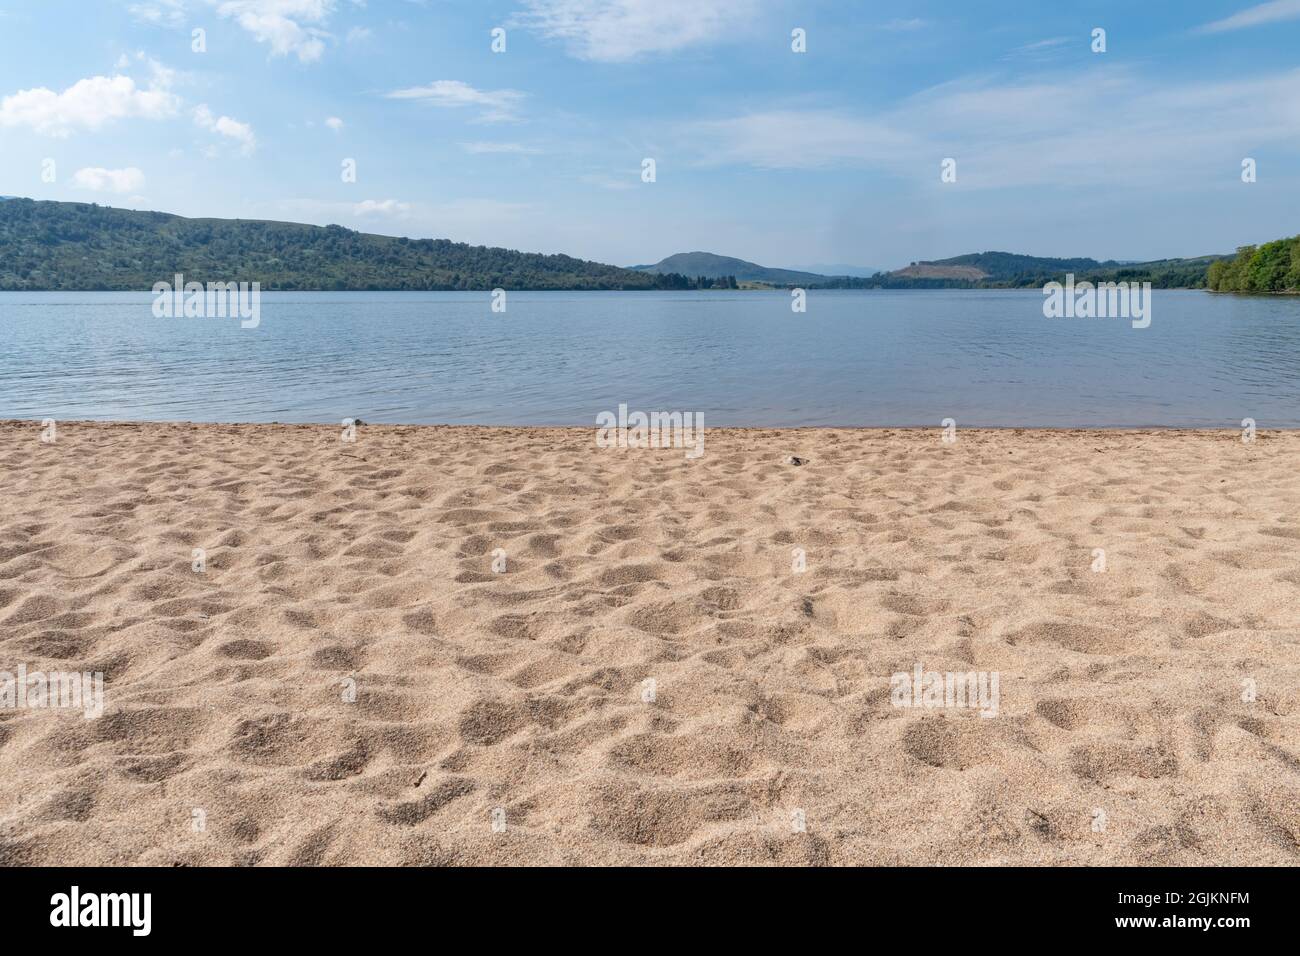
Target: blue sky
(789, 159)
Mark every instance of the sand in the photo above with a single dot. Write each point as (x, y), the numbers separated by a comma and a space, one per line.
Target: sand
(650, 680)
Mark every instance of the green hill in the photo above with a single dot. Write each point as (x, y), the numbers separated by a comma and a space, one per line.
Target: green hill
(57, 245)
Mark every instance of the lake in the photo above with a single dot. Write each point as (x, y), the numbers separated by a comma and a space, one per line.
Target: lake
(877, 357)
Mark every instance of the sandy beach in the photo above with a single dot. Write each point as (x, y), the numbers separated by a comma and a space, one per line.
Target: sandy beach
(465, 645)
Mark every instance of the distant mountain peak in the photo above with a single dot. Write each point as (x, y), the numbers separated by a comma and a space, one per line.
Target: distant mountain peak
(713, 266)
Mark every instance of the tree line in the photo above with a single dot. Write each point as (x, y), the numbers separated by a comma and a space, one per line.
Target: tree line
(1272, 267)
(85, 246)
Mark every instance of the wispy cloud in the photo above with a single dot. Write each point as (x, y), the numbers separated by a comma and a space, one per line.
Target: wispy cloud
(1040, 49)
(905, 24)
(619, 30)
(1275, 12)
(517, 149)
(163, 13)
(1014, 134)
(495, 105)
(800, 139)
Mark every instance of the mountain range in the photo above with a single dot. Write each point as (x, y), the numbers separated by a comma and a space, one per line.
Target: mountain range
(1010, 270)
(47, 245)
(974, 270)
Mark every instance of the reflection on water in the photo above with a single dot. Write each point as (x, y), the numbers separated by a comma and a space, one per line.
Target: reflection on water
(740, 358)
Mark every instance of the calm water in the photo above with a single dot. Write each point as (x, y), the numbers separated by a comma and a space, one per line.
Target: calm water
(740, 358)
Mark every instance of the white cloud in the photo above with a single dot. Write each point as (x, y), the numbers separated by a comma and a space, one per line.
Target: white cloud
(619, 30)
(87, 104)
(1275, 12)
(241, 133)
(382, 207)
(109, 180)
(334, 123)
(496, 105)
(358, 34)
(288, 26)
(479, 148)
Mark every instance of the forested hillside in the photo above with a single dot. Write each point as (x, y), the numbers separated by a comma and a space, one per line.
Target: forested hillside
(57, 245)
